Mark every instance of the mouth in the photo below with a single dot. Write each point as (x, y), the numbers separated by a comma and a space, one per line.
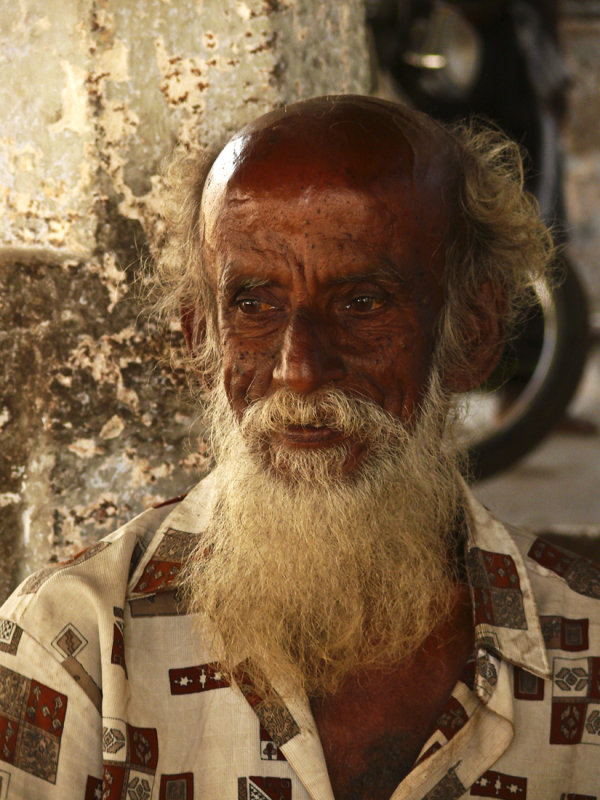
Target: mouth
(318, 435)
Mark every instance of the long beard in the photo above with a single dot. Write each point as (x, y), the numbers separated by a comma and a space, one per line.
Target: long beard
(311, 572)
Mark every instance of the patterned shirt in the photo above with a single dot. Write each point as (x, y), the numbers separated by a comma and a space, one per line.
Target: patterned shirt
(110, 691)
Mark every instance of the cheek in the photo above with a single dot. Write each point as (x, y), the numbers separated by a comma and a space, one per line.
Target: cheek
(400, 367)
(246, 374)
(238, 368)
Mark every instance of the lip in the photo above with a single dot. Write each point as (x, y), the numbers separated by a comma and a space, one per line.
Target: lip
(308, 436)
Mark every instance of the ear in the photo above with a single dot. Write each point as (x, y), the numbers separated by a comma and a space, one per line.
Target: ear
(193, 326)
(484, 340)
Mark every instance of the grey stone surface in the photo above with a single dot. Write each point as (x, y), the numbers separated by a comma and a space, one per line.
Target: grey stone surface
(46, 132)
(557, 486)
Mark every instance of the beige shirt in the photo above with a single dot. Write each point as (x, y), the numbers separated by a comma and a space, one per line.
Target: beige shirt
(108, 691)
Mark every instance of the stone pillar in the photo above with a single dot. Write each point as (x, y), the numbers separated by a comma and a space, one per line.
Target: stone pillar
(94, 425)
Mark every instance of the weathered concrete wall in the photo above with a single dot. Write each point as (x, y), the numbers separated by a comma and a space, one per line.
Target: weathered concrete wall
(94, 424)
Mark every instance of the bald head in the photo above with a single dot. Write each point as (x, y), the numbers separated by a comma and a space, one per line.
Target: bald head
(340, 144)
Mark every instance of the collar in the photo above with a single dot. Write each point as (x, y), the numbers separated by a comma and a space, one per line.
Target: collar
(504, 609)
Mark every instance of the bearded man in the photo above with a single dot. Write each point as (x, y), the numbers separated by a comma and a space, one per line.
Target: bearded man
(330, 613)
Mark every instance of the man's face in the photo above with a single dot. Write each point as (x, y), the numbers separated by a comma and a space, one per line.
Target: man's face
(323, 244)
(319, 290)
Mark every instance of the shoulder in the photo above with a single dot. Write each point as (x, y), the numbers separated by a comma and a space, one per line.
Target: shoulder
(530, 593)
(558, 568)
(70, 605)
(81, 598)
(67, 635)
(557, 573)
(566, 590)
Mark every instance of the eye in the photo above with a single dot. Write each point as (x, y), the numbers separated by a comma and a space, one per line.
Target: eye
(365, 303)
(253, 306)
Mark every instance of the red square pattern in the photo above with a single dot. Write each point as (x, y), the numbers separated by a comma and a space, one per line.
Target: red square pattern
(499, 785)
(9, 730)
(260, 788)
(562, 633)
(93, 788)
(553, 558)
(113, 778)
(527, 686)
(157, 576)
(567, 722)
(177, 787)
(201, 678)
(594, 685)
(46, 708)
(32, 724)
(142, 748)
(500, 570)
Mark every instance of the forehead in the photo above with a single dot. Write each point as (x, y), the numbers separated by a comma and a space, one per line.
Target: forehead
(325, 234)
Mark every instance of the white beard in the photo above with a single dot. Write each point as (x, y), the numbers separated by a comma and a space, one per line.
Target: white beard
(314, 574)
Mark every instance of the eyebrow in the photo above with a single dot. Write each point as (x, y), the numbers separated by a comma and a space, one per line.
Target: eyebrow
(229, 281)
(386, 271)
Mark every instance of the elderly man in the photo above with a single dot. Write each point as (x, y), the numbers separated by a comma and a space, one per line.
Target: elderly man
(329, 614)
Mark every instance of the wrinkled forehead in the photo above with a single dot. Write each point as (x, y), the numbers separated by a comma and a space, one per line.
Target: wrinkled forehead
(395, 156)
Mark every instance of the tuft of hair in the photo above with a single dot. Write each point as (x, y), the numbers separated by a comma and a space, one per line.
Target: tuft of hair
(175, 281)
(499, 239)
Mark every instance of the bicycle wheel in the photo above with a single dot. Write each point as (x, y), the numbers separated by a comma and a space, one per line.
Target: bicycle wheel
(501, 425)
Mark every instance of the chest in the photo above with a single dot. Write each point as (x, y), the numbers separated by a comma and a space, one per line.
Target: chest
(374, 728)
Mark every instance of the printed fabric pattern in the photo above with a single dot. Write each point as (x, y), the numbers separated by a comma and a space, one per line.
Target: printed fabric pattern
(109, 690)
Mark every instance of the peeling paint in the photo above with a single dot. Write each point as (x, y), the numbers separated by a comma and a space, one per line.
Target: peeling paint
(114, 62)
(75, 116)
(85, 448)
(183, 79)
(113, 428)
(9, 498)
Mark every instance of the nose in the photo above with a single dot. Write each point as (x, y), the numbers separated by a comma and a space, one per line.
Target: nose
(308, 358)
